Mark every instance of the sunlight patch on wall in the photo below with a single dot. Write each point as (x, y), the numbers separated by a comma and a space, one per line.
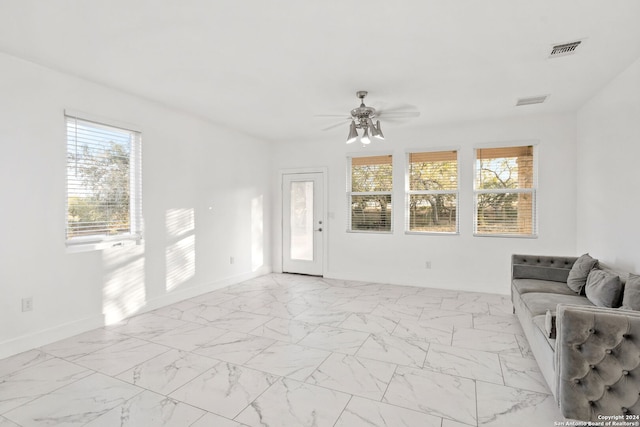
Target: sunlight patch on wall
(180, 253)
(124, 290)
(257, 232)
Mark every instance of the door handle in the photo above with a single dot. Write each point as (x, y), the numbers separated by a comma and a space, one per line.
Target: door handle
(319, 229)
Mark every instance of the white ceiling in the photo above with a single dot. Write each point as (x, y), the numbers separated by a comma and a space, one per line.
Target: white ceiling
(267, 67)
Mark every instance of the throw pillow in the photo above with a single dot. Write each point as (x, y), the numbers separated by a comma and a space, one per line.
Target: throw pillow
(631, 298)
(603, 289)
(579, 272)
(550, 325)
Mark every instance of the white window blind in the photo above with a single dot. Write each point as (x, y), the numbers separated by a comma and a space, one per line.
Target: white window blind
(505, 191)
(104, 191)
(369, 193)
(432, 196)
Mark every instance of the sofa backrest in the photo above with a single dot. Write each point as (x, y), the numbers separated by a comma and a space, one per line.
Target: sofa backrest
(554, 268)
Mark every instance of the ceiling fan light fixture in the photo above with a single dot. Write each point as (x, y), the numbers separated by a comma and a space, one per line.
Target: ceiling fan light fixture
(365, 136)
(363, 117)
(353, 133)
(376, 131)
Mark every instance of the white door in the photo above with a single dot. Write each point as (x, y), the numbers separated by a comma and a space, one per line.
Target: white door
(302, 223)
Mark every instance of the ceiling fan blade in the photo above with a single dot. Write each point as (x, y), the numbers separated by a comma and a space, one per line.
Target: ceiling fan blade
(394, 121)
(389, 114)
(399, 107)
(384, 120)
(334, 126)
(331, 115)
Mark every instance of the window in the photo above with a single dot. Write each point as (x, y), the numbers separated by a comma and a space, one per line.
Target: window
(432, 198)
(369, 193)
(103, 184)
(505, 191)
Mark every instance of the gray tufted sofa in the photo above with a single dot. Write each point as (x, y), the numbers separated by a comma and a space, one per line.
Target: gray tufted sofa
(592, 366)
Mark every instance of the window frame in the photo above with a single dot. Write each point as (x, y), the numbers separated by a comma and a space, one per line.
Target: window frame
(409, 192)
(102, 241)
(351, 193)
(533, 191)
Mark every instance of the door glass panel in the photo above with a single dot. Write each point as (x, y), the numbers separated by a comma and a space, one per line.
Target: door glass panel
(302, 220)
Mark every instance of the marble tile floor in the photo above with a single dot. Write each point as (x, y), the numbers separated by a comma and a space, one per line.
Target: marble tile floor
(290, 350)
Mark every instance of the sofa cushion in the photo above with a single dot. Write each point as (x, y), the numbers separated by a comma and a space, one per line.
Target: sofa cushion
(538, 303)
(580, 271)
(631, 297)
(524, 286)
(603, 289)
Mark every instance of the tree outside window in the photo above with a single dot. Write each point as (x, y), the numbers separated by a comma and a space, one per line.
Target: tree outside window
(433, 192)
(505, 191)
(369, 193)
(103, 182)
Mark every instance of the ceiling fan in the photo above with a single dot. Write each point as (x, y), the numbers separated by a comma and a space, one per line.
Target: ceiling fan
(362, 118)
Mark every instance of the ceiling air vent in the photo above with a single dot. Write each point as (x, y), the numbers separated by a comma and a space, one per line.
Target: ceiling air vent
(531, 100)
(564, 49)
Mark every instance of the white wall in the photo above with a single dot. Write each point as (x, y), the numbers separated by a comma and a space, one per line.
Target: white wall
(458, 262)
(189, 166)
(608, 200)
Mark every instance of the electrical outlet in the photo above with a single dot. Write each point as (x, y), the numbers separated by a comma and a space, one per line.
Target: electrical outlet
(27, 304)
(231, 260)
(427, 264)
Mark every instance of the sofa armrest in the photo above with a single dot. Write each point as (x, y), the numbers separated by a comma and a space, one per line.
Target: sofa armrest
(597, 361)
(554, 268)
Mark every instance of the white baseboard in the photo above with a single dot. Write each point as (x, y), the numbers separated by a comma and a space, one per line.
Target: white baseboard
(47, 336)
